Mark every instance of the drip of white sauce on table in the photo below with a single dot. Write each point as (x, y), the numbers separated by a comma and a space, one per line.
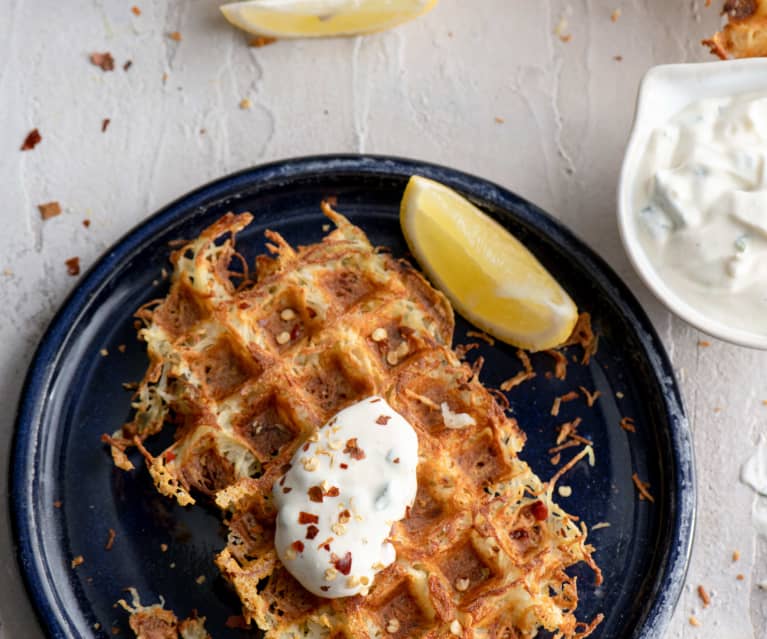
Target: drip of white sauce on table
(346, 487)
(701, 203)
(754, 474)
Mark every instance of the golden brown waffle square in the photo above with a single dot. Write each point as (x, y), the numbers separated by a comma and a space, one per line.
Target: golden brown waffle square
(247, 368)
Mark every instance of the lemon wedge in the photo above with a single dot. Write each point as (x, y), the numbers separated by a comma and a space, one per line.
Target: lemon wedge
(488, 275)
(322, 18)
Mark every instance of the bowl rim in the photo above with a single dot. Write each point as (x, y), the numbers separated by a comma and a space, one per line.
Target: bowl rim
(699, 79)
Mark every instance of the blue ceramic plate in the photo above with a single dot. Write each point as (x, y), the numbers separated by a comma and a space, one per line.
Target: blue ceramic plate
(73, 394)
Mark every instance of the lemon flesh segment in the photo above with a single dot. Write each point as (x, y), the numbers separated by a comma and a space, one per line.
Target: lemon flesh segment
(322, 18)
(488, 275)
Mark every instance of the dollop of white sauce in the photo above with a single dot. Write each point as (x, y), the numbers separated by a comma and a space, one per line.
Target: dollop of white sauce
(701, 203)
(754, 474)
(346, 486)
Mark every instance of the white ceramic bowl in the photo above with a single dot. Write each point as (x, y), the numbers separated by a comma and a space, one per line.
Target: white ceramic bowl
(665, 90)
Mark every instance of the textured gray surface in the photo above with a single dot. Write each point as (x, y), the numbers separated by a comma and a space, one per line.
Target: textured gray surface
(431, 90)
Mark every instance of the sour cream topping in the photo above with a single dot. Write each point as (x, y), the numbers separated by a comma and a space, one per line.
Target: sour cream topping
(701, 206)
(346, 486)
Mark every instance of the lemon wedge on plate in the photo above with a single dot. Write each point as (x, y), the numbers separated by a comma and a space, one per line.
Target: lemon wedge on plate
(488, 275)
(322, 18)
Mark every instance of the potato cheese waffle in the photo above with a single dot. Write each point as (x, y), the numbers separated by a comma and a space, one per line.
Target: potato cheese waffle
(245, 369)
(745, 34)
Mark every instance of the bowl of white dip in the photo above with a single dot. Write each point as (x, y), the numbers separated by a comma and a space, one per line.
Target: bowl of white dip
(692, 200)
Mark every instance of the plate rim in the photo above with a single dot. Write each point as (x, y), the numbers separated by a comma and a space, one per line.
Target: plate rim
(27, 424)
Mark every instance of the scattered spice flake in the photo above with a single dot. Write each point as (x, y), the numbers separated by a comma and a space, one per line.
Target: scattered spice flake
(32, 140)
(383, 420)
(523, 375)
(104, 352)
(104, 61)
(627, 424)
(704, 597)
(694, 621)
(49, 210)
(121, 348)
(591, 398)
(642, 487)
(175, 36)
(128, 64)
(333, 491)
(104, 124)
(236, 621)
(135, 10)
(499, 119)
(200, 580)
(315, 494)
(307, 518)
(73, 266)
(567, 397)
(583, 335)
(57, 503)
(615, 15)
(600, 525)
(110, 539)
(245, 104)
(344, 564)
(560, 363)
(86, 222)
(480, 335)
(298, 545)
(735, 555)
(703, 343)
(353, 450)
(312, 531)
(740, 576)
(261, 41)
(164, 547)
(78, 561)
(343, 466)
(618, 58)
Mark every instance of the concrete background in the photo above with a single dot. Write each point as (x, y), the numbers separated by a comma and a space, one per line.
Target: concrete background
(431, 90)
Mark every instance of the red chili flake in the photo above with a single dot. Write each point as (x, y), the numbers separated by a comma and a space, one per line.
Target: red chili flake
(110, 539)
(344, 565)
(49, 210)
(307, 518)
(104, 124)
(32, 140)
(103, 60)
(333, 492)
(236, 621)
(135, 10)
(286, 489)
(324, 588)
(86, 222)
(73, 265)
(354, 451)
(312, 532)
(520, 533)
(311, 312)
(128, 64)
(315, 494)
(261, 41)
(539, 510)
(175, 36)
(57, 503)
(298, 545)
(343, 466)
(383, 420)
(294, 332)
(407, 512)
(169, 456)
(344, 516)
(325, 547)
(377, 399)
(282, 481)
(396, 460)
(306, 446)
